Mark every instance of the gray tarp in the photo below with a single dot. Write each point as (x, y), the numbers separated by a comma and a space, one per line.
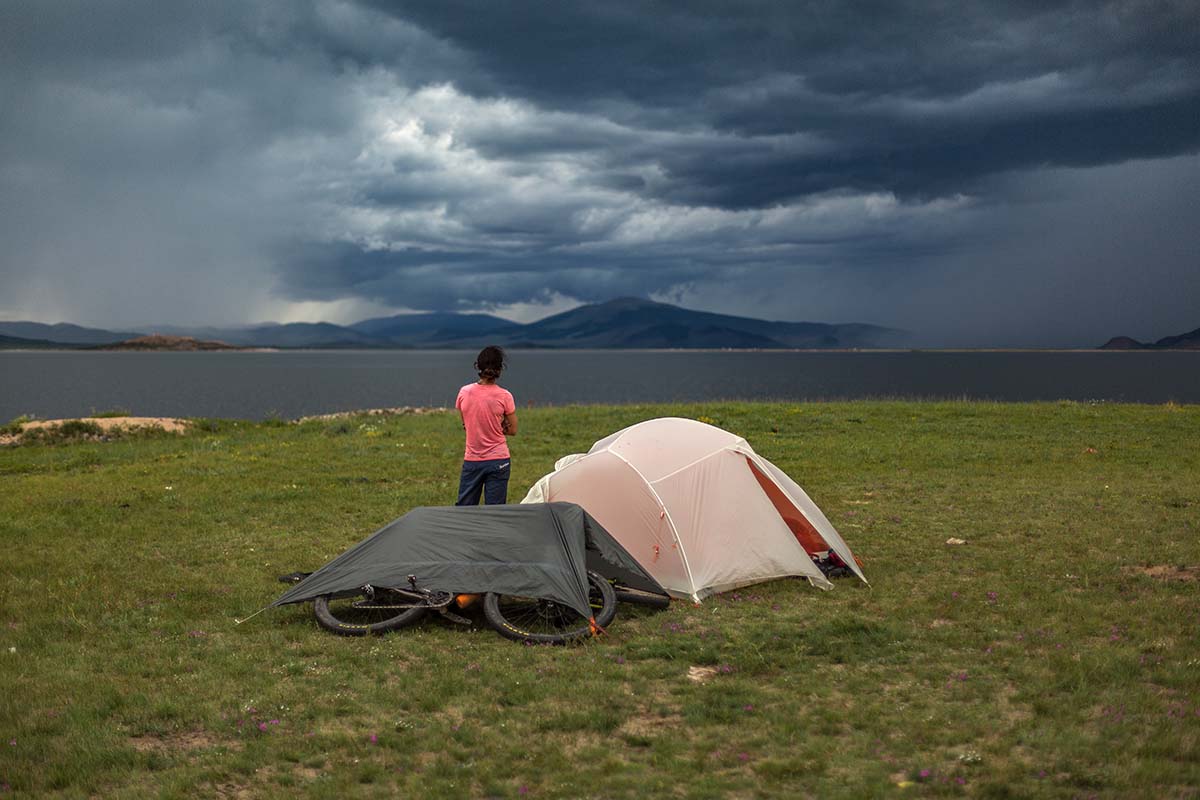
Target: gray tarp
(529, 550)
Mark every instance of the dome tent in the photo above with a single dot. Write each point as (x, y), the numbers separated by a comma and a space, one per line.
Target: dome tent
(697, 507)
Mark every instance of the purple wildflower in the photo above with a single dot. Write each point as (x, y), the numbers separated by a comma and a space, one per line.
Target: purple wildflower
(993, 597)
(262, 726)
(374, 739)
(925, 774)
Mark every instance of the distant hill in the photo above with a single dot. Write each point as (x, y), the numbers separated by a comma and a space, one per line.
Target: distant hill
(1184, 341)
(17, 343)
(63, 333)
(412, 330)
(629, 322)
(175, 343)
(304, 334)
(625, 323)
(315, 335)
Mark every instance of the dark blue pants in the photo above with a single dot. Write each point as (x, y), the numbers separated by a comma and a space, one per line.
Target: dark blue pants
(489, 478)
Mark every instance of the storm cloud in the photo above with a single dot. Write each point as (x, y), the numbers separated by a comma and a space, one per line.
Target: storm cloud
(984, 174)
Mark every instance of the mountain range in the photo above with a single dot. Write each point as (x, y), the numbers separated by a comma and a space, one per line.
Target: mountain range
(624, 323)
(1184, 341)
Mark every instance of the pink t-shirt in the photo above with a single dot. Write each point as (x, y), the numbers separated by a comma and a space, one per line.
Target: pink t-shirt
(483, 406)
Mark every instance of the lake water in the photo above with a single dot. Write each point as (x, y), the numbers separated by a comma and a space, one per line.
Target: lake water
(255, 385)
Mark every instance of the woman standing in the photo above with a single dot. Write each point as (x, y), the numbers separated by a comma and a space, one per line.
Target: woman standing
(489, 415)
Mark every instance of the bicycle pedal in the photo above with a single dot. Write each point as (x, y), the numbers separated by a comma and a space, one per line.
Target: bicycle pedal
(455, 618)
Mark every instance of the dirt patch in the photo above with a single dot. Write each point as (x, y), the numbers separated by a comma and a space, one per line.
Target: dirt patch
(232, 790)
(180, 742)
(649, 725)
(267, 776)
(1012, 713)
(581, 742)
(1166, 572)
(105, 424)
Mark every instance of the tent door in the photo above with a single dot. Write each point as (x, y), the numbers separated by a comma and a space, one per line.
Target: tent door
(800, 527)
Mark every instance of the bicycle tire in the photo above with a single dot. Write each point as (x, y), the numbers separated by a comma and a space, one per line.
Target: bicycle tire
(533, 619)
(356, 616)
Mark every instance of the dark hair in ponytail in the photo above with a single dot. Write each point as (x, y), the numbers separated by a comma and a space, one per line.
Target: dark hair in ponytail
(490, 362)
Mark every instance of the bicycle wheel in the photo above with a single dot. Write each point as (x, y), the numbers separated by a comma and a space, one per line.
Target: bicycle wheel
(359, 615)
(533, 619)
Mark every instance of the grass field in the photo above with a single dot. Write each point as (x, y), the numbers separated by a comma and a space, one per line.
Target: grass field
(1054, 654)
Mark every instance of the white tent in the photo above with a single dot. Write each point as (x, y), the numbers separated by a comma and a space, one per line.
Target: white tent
(697, 507)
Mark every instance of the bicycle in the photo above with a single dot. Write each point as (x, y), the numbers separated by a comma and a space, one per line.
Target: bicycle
(378, 610)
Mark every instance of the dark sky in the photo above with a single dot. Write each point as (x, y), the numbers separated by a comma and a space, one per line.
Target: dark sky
(980, 173)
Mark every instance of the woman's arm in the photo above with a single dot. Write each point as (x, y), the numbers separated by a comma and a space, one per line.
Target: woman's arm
(509, 424)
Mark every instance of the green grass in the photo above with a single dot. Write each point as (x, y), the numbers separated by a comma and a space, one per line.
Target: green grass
(1036, 660)
(14, 426)
(111, 413)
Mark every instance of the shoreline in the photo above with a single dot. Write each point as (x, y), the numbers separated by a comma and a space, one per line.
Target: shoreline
(841, 350)
(107, 428)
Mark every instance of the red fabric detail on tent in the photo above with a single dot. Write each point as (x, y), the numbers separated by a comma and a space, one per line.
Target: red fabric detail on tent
(801, 528)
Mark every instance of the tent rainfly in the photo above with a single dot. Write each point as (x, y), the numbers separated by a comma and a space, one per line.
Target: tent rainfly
(697, 507)
(526, 550)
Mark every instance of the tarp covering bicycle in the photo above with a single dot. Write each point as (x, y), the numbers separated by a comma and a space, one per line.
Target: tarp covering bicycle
(535, 550)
